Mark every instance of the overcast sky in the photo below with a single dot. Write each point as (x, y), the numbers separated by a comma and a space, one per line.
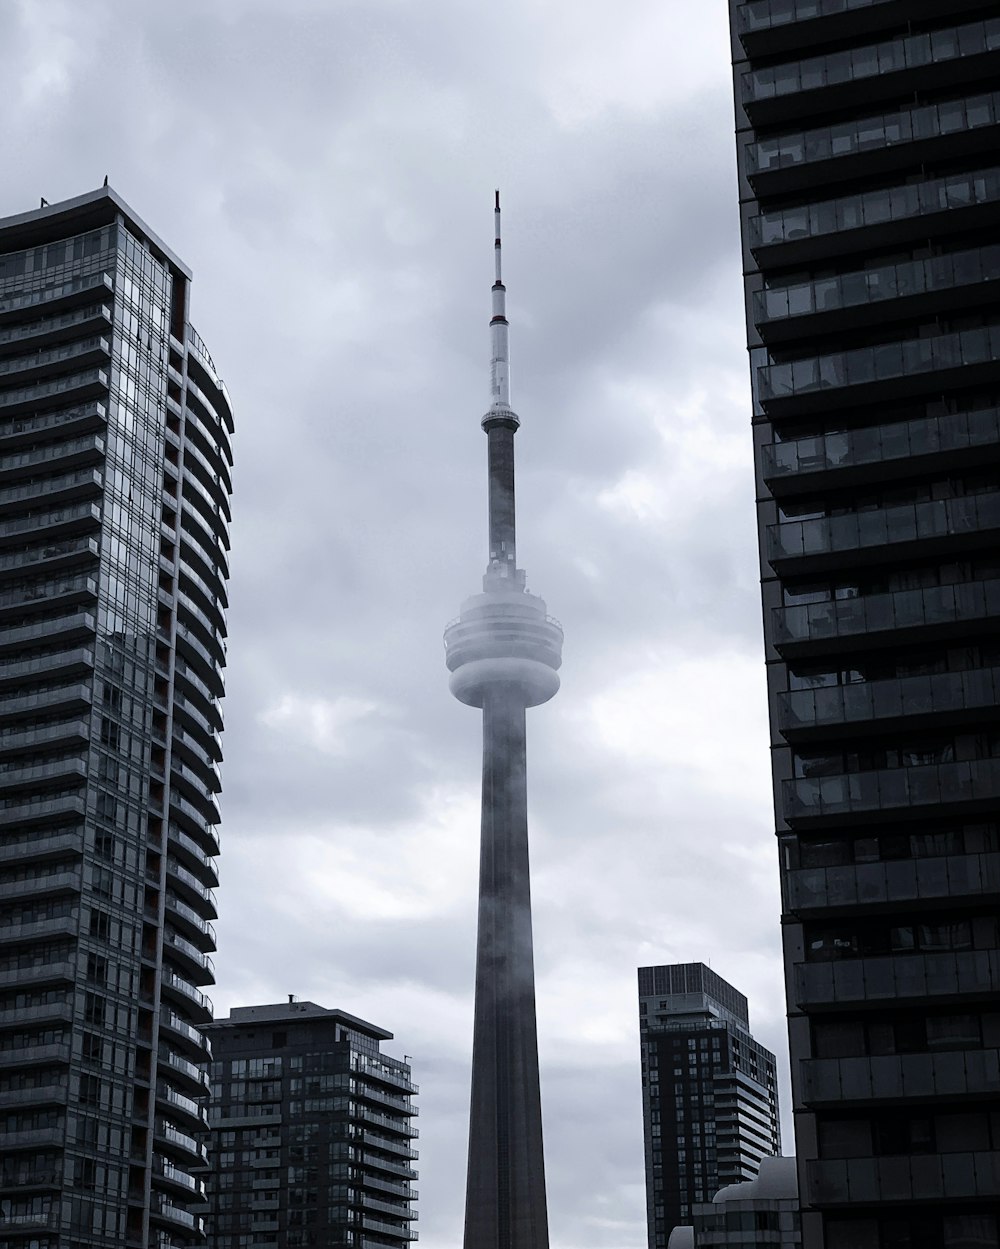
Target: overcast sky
(327, 168)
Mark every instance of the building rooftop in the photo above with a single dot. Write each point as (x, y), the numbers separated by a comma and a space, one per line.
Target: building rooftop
(296, 1012)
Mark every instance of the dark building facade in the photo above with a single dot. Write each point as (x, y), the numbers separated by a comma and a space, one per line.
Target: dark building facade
(114, 487)
(311, 1132)
(867, 138)
(709, 1103)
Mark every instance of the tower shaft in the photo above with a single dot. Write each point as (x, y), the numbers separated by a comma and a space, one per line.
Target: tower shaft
(505, 1197)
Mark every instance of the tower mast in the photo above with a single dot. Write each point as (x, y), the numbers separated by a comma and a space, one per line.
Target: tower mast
(503, 654)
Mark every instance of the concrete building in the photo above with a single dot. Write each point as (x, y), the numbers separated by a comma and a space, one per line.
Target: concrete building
(710, 1108)
(311, 1132)
(503, 654)
(762, 1213)
(114, 510)
(870, 202)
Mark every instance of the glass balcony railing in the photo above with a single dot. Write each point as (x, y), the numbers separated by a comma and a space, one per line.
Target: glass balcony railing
(84, 413)
(883, 789)
(870, 701)
(878, 613)
(88, 379)
(53, 451)
(874, 208)
(856, 64)
(764, 14)
(898, 880)
(55, 355)
(914, 976)
(885, 528)
(879, 444)
(871, 134)
(923, 1178)
(876, 286)
(882, 363)
(884, 1077)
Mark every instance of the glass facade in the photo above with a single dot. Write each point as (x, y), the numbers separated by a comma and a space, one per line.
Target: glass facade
(108, 806)
(311, 1132)
(710, 1110)
(870, 200)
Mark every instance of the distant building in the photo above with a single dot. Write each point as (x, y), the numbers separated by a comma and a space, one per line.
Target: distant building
(311, 1132)
(762, 1213)
(710, 1109)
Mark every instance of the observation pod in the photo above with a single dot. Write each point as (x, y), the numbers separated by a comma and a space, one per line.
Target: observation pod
(503, 638)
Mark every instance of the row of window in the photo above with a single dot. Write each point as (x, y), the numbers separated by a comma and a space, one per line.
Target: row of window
(876, 936)
(912, 1032)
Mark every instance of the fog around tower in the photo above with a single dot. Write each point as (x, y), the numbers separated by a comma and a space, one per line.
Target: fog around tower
(328, 173)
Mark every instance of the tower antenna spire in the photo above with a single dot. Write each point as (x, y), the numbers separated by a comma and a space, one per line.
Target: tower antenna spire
(499, 329)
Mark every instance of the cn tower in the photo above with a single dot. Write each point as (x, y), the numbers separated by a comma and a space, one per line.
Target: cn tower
(503, 653)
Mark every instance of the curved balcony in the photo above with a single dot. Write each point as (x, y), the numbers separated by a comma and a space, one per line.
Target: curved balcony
(198, 692)
(892, 882)
(176, 1104)
(171, 1140)
(892, 1077)
(971, 694)
(908, 367)
(215, 409)
(973, 784)
(208, 560)
(213, 506)
(876, 452)
(198, 429)
(193, 817)
(197, 965)
(897, 139)
(181, 1069)
(898, 978)
(198, 655)
(193, 734)
(885, 535)
(202, 532)
(923, 1178)
(188, 885)
(872, 219)
(19, 430)
(868, 296)
(182, 1032)
(161, 1208)
(937, 611)
(198, 929)
(173, 1177)
(217, 486)
(192, 998)
(213, 604)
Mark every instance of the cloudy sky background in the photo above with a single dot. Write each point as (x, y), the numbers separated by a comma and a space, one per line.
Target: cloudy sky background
(327, 169)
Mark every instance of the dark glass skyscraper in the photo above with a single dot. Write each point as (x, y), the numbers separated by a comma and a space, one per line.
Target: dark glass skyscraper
(709, 1105)
(312, 1132)
(870, 200)
(114, 488)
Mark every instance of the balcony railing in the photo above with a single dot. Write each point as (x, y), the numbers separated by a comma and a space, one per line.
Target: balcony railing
(882, 444)
(933, 607)
(911, 977)
(939, 784)
(867, 702)
(923, 1178)
(877, 286)
(885, 362)
(882, 530)
(764, 14)
(911, 201)
(884, 1077)
(890, 56)
(899, 880)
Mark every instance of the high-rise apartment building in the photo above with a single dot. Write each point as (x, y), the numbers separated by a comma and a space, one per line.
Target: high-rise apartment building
(709, 1103)
(114, 486)
(312, 1132)
(870, 199)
